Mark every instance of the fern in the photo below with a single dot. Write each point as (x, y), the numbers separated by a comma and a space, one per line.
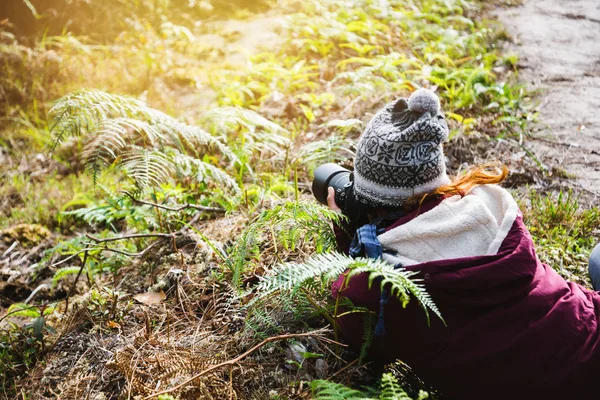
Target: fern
(333, 149)
(273, 314)
(249, 135)
(63, 273)
(329, 266)
(369, 322)
(147, 168)
(291, 225)
(390, 390)
(149, 144)
(110, 209)
(192, 166)
(290, 275)
(327, 390)
(400, 284)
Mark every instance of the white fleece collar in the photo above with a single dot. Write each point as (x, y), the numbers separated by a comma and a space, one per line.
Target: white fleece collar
(473, 225)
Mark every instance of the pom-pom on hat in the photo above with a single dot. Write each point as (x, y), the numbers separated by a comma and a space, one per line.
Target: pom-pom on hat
(400, 154)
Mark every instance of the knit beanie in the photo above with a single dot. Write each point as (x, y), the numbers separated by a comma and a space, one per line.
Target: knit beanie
(400, 154)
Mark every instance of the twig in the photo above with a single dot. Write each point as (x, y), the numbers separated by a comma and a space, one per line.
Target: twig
(36, 290)
(345, 368)
(56, 264)
(70, 293)
(125, 253)
(171, 236)
(11, 248)
(559, 143)
(180, 207)
(238, 358)
(132, 236)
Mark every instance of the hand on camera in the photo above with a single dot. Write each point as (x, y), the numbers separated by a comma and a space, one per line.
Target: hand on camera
(331, 200)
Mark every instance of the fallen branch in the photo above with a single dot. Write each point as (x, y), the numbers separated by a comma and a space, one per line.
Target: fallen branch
(240, 357)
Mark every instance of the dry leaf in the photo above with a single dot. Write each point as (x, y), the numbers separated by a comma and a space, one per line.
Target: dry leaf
(113, 324)
(150, 298)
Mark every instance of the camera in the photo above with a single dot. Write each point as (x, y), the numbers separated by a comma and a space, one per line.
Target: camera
(341, 180)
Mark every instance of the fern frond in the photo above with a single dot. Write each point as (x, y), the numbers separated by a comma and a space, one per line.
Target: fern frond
(147, 168)
(369, 321)
(119, 126)
(191, 166)
(333, 149)
(291, 275)
(247, 130)
(327, 390)
(227, 119)
(331, 265)
(182, 135)
(63, 273)
(293, 224)
(401, 284)
(391, 390)
(89, 109)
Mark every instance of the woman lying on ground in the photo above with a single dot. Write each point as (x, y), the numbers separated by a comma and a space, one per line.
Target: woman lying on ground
(514, 329)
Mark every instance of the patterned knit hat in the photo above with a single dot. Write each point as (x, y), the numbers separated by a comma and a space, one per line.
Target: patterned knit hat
(400, 154)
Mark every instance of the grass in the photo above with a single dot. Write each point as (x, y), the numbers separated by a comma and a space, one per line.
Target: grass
(564, 232)
(33, 201)
(270, 116)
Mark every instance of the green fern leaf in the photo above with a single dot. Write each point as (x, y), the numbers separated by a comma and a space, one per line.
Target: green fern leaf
(146, 142)
(327, 390)
(400, 283)
(391, 390)
(331, 265)
(290, 224)
(63, 273)
(147, 168)
(369, 321)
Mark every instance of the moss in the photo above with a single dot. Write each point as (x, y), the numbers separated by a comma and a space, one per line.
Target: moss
(28, 235)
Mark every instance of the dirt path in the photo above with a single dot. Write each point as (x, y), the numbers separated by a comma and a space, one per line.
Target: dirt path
(559, 46)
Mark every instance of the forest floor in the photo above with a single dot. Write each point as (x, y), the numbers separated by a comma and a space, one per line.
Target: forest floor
(559, 59)
(132, 327)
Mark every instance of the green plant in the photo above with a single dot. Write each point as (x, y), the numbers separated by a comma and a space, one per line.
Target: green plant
(564, 233)
(389, 389)
(288, 226)
(148, 144)
(26, 199)
(250, 136)
(21, 344)
(330, 265)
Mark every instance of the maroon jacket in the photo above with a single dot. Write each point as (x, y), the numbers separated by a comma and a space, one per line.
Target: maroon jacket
(515, 328)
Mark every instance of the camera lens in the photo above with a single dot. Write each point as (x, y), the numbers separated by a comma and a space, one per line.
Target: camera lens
(329, 175)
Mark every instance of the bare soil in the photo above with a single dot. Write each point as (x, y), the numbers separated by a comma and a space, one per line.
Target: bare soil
(558, 44)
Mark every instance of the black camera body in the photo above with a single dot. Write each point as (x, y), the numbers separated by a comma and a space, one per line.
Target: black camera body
(342, 182)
